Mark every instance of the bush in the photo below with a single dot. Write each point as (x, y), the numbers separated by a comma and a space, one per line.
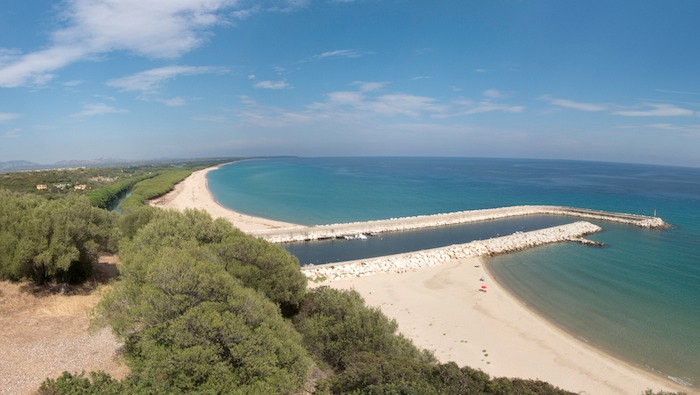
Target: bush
(56, 240)
(258, 264)
(337, 326)
(191, 326)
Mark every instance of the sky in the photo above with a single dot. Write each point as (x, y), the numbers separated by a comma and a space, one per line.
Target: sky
(601, 80)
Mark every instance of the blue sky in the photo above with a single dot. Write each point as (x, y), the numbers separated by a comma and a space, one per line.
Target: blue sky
(137, 79)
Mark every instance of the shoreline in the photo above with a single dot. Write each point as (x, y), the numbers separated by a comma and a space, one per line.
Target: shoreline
(494, 331)
(193, 193)
(519, 342)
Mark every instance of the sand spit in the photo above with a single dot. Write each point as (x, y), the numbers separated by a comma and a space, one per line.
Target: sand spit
(426, 221)
(401, 263)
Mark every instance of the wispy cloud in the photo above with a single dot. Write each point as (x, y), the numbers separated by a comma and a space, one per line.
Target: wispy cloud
(370, 86)
(90, 110)
(685, 129)
(341, 53)
(657, 110)
(274, 85)
(72, 83)
(8, 116)
(174, 102)
(468, 107)
(493, 94)
(678, 92)
(566, 103)
(155, 29)
(151, 81)
(13, 132)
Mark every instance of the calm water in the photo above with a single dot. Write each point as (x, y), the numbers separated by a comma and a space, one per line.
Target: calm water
(639, 298)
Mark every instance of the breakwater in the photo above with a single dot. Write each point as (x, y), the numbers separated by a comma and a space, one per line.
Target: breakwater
(426, 258)
(356, 229)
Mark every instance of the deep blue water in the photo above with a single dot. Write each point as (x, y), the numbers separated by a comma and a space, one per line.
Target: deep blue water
(638, 299)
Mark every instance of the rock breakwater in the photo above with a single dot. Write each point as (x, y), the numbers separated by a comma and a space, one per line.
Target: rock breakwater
(355, 229)
(414, 260)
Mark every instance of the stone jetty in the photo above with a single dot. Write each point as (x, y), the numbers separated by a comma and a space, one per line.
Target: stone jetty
(414, 260)
(356, 229)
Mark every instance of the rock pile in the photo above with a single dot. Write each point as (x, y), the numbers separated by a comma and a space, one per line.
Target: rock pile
(356, 229)
(414, 260)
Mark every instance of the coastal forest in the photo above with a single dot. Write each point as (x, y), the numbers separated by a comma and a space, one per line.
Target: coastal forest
(202, 307)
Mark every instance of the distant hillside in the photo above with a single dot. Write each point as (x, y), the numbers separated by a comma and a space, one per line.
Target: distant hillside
(19, 165)
(23, 165)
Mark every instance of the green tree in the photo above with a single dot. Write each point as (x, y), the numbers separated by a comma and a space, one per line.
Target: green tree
(337, 326)
(190, 326)
(259, 265)
(51, 240)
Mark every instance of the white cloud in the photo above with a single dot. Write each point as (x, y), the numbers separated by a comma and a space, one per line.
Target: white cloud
(251, 77)
(486, 106)
(575, 105)
(370, 86)
(150, 81)
(468, 107)
(90, 110)
(678, 92)
(341, 53)
(8, 116)
(175, 102)
(493, 94)
(272, 85)
(686, 129)
(13, 132)
(657, 110)
(403, 104)
(155, 28)
(352, 98)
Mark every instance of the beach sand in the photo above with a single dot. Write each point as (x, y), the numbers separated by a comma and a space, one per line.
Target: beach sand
(441, 309)
(193, 193)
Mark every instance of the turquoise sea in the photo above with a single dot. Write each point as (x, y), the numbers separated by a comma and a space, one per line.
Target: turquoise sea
(637, 299)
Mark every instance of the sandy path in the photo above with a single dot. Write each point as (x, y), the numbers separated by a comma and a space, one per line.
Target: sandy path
(442, 310)
(42, 335)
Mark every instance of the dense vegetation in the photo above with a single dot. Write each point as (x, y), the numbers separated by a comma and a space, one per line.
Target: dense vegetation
(153, 187)
(105, 186)
(51, 240)
(204, 308)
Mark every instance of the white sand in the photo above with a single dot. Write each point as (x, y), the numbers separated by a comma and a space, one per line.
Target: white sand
(193, 193)
(441, 309)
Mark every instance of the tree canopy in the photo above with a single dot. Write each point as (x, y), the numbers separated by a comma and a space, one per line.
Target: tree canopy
(51, 240)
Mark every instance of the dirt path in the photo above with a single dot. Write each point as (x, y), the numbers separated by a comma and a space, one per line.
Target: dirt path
(43, 333)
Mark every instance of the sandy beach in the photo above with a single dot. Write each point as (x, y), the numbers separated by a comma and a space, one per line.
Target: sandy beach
(193, 193)
(441, 309)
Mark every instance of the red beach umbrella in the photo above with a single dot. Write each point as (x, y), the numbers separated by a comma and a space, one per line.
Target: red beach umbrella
(483, 287)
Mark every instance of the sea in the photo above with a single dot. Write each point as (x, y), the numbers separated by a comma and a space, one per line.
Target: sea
(638, 298)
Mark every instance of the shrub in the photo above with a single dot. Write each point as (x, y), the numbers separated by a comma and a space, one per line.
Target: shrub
(337, 326)
(258, 264)
(51, 240)
(191, 326)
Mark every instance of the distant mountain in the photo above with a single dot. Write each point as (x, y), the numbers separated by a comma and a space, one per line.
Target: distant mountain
(19, 165)
(99, 162)
(23, 165)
